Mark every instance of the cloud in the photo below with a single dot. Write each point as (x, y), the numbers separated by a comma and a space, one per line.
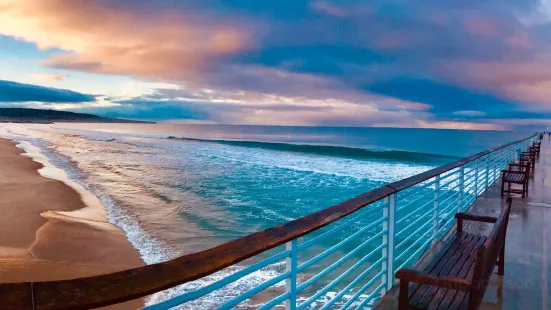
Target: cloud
(122, 37)
(446, 63)
(328, 8)
(18, 92)
(49, 77)
(443, 98)
(527, 82)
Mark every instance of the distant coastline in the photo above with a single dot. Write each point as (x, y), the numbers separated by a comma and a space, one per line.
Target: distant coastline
(43, 116)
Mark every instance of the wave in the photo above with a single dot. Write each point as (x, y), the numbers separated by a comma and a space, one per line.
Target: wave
(341, 151)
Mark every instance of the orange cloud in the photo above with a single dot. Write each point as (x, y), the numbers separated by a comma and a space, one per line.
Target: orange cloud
(116, 40)
(49, 77)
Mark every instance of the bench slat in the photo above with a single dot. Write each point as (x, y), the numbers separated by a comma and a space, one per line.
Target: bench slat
(437, 293)
(439, 263)
(451, 299)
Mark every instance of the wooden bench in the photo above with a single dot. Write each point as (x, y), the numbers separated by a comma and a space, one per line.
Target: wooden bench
(531, 155)
(526, 159)
(537, 148)
(458, 276)
(520, 176)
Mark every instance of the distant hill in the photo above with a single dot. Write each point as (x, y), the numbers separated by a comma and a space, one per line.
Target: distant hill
(23, 115)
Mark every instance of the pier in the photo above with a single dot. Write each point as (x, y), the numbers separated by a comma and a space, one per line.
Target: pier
(345, 256)
(525, 284)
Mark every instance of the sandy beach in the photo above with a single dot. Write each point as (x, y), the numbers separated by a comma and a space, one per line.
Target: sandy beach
(48, 232)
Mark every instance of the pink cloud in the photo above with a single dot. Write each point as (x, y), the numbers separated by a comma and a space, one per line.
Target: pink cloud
(459, 125)
(526, 81)
(518, 39)
(393, 40)
(329, 9)
(49, 77)
(115, 40)
(479, 25)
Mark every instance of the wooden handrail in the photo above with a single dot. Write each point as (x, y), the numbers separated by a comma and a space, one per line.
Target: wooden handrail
(107, 289)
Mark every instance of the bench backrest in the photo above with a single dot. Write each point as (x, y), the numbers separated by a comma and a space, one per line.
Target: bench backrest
(525, 157)
(488, 253)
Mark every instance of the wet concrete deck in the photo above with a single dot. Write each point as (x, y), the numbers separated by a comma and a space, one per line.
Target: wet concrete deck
(525, 284)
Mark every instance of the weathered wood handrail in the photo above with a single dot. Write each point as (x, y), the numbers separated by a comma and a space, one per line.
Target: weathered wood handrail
(102, 290)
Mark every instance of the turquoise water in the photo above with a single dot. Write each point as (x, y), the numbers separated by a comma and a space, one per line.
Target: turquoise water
(178, 189)
(194, 186)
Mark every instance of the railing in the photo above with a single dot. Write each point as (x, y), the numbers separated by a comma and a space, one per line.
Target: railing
(341, 257)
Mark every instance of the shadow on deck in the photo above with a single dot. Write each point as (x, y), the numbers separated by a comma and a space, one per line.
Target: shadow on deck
(525, 284)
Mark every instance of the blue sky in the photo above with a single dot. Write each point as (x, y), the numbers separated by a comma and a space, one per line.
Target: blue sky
(446, 64)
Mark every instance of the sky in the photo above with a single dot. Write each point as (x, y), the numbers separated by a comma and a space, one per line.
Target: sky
(470, 64)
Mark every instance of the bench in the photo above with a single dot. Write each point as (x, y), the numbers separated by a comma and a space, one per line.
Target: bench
(525, 158)
(531, 155)
(520, 176)
(458, 275)
(535, 150)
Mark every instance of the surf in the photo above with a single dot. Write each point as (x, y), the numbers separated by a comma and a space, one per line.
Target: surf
(331, 150)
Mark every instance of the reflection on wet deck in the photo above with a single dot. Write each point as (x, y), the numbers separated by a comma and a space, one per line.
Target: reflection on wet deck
(525, 284)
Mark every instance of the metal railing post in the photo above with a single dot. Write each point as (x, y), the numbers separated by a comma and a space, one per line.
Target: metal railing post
(291, 281)
(389, 226)
(461, 188)
(493, 168)
(385, 248)
(388, 239)
(476, 180)
(487, 171)
(436, 203)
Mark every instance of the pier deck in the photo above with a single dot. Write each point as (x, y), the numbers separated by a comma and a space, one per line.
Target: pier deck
(525, 284)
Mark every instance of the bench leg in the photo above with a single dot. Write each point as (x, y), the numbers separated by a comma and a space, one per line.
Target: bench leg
(474, 299)
(501, 262)
(403, 298)
(524, 190)
(502, 187)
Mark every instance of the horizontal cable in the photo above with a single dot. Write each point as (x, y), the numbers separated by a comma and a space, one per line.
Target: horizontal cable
(407, 216)
(414, 222)
(178, 300)
(453, 171)
(370, 296)
(353, 283)
(421, 248)
(338, 279)
(412, 245)
(363, 288)
(403, 242)
(442, 186)
(274, 302)
(417, 187)
(444, 201)
(254, 291)
(339, 262)
(341, 226)
(332, 249)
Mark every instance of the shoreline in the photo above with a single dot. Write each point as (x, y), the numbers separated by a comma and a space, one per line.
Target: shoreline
(51, 227)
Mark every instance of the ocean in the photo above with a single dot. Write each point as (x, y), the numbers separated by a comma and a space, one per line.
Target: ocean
(179, 189)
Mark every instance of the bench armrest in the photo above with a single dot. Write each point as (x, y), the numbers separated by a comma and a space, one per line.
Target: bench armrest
(410, 275)
(476, 218)
(513, 171)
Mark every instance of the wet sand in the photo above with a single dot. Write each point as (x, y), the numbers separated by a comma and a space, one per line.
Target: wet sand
(48, 233)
